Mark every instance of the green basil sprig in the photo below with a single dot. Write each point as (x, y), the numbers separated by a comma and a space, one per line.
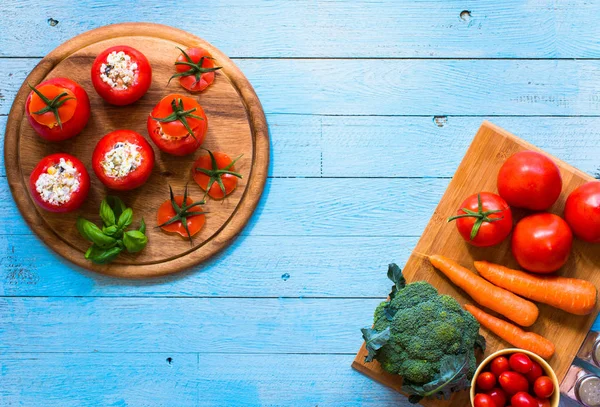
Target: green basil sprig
(112, 238)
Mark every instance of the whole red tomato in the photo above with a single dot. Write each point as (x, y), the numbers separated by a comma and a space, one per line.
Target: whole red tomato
(543, 387)
(121, 75)
(177, 125)
(541, 243)
(195, 69)
(513, 382)
(483, 400)
(529, 180)
(535, 372)
(543, 402)
(59, 183)
(484, 219)
(58, 109)
(499, 365)
(498, 395)
(520, 362)
(582, 212)
(123, 160)
(523, 399)
(486, 381)
(218, 170)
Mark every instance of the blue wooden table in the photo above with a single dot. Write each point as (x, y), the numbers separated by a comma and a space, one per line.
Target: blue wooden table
(371, 105)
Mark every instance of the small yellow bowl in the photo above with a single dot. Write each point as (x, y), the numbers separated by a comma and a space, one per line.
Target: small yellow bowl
(554, 399)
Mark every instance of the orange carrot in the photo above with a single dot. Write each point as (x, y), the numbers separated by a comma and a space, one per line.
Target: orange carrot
(497, 299)
(512, 334)
(569, 294)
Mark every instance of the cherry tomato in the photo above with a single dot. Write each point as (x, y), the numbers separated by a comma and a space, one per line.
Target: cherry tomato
(523, 399)
(488, 222)
(512, 382)
(59, 183)
(486, 381)
(543, 387)
(535, 372)
(195, 69)
(166, 212)
(498, 395)
(541, 243)
(582, 212)
(170, 123)
(520, 362)
(64, 112)
(542, 402)
(483, 400)
(121, 75)
(499, 365)
(205, 171)
(123, 160)
(529, 180)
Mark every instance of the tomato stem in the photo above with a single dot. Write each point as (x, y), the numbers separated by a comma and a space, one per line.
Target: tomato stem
(481, 216)
(215, 173)
(196, 69)
(183, 212)
(52, 105)
(179, 113)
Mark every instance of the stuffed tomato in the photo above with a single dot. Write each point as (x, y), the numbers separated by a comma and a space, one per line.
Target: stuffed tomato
(59, 183)
(177, 125)
(121, 75)
(57, 109)
(123, 160)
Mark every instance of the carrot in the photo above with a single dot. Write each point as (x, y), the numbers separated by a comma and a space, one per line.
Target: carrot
(512, 334)
(569, 294)
(497, 299)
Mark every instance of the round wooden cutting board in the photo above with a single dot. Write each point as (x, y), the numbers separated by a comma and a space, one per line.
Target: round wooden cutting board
(236, 125)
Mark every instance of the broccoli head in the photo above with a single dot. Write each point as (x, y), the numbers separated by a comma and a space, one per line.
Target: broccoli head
(426, 338)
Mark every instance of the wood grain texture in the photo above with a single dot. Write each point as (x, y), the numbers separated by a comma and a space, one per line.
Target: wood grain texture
(477, 172)
(347, 29)
(408, 87)
(237, 126)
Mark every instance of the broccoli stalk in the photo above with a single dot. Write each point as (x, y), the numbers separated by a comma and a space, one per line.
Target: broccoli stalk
(426, 338)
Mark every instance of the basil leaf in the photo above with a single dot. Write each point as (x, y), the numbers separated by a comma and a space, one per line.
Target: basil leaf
(93, 233)
(107, 214)
(125, 219)
(142, 227)
(110, 230)
(134, 241)
(116, 205)
(102, 256)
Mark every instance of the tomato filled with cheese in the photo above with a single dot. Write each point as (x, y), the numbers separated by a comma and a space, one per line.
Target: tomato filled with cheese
(59, 183)
(123, 160)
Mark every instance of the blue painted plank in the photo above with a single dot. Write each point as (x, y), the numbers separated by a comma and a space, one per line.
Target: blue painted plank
(250, 267)
(108, 380)
(317, 207)
(358, 28)
(404, 87)
(207, 325)
(134, 379)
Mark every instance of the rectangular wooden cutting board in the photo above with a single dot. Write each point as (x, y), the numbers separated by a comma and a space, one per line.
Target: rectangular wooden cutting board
(477, 173)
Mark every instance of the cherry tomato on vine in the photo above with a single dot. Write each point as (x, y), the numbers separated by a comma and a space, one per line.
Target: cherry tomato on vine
(195, 69)
(484, 219)
(541, 243)
(59, 183)
(177, 125)
(121, 75)
(530, 180)
(180, 214)
(215, 174)
(123, 160)
(582, 212)
(57, 109)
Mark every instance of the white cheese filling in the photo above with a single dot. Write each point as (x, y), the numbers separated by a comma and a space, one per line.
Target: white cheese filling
(122, 159)
(57, 184)
(118, 71)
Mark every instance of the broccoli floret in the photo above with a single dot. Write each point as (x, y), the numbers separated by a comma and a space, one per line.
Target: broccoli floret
(431, 338)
